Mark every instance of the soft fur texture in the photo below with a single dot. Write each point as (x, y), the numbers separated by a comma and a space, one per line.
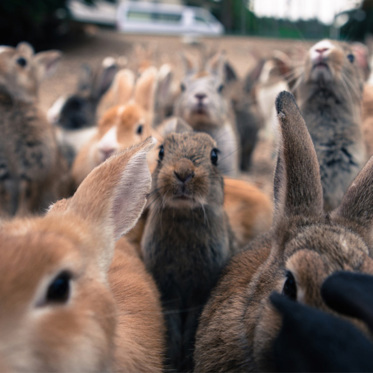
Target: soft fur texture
(33, 172)
(187, 238)
(304, 246)
(203, 106)
(329, 93)
(110, 318)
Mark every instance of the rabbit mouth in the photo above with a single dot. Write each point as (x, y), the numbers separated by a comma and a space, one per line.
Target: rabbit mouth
(321, 72)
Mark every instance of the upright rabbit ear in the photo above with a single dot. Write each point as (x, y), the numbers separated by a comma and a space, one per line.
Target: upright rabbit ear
(25, 49)
(190, 66)
(122, 88)
(104, 77)
(356, 208)
(215, 65)
(145, 88)
(46, 63)
(85, 78)
(297, 185)
(176, 125)
(112, 197)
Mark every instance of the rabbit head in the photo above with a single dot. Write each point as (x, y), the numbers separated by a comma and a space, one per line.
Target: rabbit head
(79, 109)
(58, 313)
(21, 70)
(330, 64)
(187, 175)
(305, 245)
(201, 102)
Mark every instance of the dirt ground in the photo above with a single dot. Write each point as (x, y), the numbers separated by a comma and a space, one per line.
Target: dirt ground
(92, 47)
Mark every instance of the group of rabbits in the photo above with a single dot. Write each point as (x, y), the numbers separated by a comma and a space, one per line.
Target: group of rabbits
(210, 224)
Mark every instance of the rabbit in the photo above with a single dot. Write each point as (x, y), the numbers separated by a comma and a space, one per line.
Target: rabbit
(75, 114)
(329, 94)
(303, 247)
(187, 237)
(33, 172)
(72, 299)
(120, 127)
(202, 105)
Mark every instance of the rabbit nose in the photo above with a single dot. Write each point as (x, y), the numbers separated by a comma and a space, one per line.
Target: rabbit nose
(200, 96)
(184, 170)
(321, 50)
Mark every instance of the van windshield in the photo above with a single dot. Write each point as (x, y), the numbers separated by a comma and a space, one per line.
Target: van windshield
(153, 17)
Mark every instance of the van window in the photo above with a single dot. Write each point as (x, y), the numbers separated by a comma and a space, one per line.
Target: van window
(143, 16)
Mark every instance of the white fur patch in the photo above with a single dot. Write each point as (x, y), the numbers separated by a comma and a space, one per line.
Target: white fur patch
(54, 111)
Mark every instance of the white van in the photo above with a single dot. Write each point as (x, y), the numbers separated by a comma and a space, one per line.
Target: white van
(154, 18)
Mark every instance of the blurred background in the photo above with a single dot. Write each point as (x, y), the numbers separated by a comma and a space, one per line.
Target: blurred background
(42, 22)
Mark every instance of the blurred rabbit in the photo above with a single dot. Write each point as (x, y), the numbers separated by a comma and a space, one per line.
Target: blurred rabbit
(32, 171)
(202, 105)
(304, 246)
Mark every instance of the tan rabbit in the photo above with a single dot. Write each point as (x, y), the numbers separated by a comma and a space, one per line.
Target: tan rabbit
(120, 127)
(203, 106)
(32, 171)
(304, 246)
(72, 301)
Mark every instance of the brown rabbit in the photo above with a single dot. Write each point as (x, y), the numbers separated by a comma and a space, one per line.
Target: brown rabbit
(203, 106)
(72, 301)
(305, 245)
(31, 167)
(120, 127)
(187, 238)
(329, 93)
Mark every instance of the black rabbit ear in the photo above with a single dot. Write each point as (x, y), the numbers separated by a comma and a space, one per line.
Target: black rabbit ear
(104, 77)
(329, 344)
(297, 185)
(85, 78)
(350, 294)
(356, 208)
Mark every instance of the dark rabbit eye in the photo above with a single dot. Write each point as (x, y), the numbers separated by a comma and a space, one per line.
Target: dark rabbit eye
(220, 88)
(59, 289)
(290, 286)
(161, 152)
(351, 57)
(139, 129)
(182, 87)
(214, 156)
(21, 61)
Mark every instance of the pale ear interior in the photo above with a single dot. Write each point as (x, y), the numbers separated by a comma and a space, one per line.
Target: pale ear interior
(46, 63)
(121, 89)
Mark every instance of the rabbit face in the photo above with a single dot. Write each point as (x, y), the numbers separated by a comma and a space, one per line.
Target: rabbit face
(187, 174)
(50, 304)
(120, 128)
(201, 101)
(329, 62)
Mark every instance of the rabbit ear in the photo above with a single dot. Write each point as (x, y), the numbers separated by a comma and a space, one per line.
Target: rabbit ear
(144, 90)
(165, 76)
(297, 185)
(122, 88)
(176, 125)
(356, 208)
(85, 78)
(190, 66)
(215, 65)
(25, 49)
(104, 78)
(46, 63)
(112, 197)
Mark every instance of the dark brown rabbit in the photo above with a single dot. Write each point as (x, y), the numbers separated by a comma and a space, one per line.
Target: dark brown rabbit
(305, 245)
(329, 94)
(204, 107)
(30, 163)
(187, 239)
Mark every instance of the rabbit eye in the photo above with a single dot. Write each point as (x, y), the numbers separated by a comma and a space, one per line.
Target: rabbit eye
(214, 156)
(182, 87)
(21, 61)
(161, 152)
(351, 57)
(290, 286)
(220, 88)
(59, 289)
(139, 129)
